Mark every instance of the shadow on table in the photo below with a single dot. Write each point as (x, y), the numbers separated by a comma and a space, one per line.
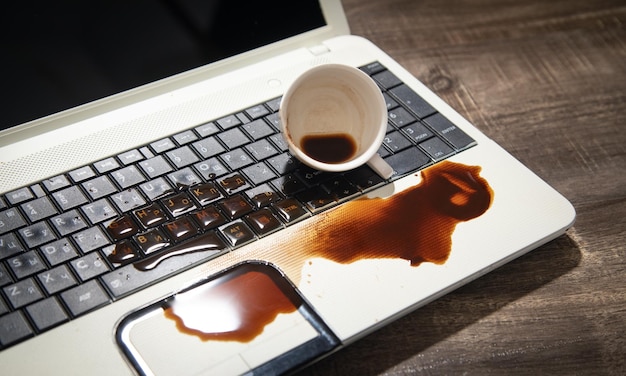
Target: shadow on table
(433, 323)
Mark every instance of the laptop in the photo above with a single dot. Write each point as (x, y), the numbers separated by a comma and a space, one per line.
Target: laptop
(152, 220)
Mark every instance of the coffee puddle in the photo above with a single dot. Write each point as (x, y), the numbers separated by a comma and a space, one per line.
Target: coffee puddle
(416, 225)
(233, 307)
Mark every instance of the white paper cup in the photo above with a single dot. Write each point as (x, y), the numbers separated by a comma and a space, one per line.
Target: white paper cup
(334, 118)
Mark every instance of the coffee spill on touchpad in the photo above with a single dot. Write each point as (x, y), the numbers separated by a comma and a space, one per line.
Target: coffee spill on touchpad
(236, 306)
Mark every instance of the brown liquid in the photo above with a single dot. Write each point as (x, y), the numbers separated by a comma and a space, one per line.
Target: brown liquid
(416, 225)
(233, 308)
(329, 148)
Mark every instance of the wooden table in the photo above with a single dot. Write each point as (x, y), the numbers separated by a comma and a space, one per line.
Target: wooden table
(547, 81)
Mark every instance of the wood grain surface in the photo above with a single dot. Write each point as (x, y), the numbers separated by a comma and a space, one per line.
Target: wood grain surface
(547, 81)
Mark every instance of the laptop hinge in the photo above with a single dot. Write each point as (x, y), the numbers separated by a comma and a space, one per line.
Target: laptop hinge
(319, 49)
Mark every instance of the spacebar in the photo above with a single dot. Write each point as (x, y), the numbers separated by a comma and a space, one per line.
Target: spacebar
(133, 277)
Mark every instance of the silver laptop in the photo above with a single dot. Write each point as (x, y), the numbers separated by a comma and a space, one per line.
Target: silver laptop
(159, 225)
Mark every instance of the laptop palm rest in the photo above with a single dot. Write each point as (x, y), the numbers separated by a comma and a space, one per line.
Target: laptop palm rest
(247, 319)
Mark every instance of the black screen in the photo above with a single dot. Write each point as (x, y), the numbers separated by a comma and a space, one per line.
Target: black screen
(60, 54)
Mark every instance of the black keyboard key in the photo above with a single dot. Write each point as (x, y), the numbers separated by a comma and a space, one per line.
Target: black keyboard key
(36, 234)
(84, 298)
(130, 156)
(184, 178)
(122, 227)
(90, 239)
(395, 141)
(162, 145)
(9, 246)
(257, 111)
(279, 142)
(58, 251)
(209, 147)
(47, 313)
(56, 183)
(436, 149)
(69, 198)
(10, 219)
(182, 157)
(237, 158)
(261, 149)
(23, 293)
(26, 264)
(152, 241)
(206, 193)
(81, 174)
(412, 101)
(316, 198)
(233, 183)
(155, 166)
(363, 178)
(233, 138)
(339, 187)
(39, 209)
(207, 129)
(289, 184)
(386, 79)
(235, 207)
(185, 137)
(283, 163)
(290, 210)
(127, 200)
(228, 121)
(390, 102)
(106, 165)
(156, 188)
(407, 160)
(152, 215)
(178, 204)
(68, 222)
(401, 117)
(56, 279)
(211, 168)
(99, 211)
(89, 266)
(13, 328)
(19, 195)
(209, 218)
(417, 132)
(274, 104)
(263, 222)
(180, 229)
(258, 129)
(259, 173)
(128, 176)
(237, 233)
(262, 195)
(372, 68)
(448, 130)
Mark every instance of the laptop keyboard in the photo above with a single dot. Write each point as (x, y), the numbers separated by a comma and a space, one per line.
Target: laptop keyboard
(79, 241)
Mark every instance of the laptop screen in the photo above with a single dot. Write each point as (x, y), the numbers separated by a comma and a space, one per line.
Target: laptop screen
(60, 54)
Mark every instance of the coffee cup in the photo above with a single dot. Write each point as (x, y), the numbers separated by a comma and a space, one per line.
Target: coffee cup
(334, 118)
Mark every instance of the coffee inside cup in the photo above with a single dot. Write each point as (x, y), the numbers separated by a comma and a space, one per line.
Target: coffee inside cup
(329, 148)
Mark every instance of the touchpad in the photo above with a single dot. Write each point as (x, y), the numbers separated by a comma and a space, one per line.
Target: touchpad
(249, 318)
